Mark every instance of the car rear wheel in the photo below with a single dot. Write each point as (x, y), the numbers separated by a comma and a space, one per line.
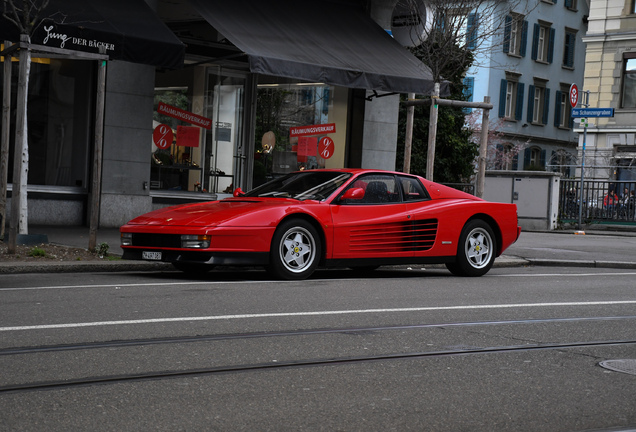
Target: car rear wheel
(476, 250)
(295, 250)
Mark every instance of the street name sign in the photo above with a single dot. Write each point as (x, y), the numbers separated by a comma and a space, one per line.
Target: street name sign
(592, 112)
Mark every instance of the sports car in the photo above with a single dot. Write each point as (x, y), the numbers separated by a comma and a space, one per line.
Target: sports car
(354, 218)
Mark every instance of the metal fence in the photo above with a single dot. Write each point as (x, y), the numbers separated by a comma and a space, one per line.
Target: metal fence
(603, 201)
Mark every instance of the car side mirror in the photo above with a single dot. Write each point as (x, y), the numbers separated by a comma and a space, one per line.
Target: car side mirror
(238, 192)
(353, 194)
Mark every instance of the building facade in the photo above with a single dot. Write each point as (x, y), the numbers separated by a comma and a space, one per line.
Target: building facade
(258, 90)
(527, 69)
(610, 79)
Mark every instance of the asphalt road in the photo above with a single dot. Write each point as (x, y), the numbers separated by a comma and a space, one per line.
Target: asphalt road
(516, 350)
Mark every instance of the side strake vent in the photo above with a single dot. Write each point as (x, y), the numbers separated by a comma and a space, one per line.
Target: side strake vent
(395, 237)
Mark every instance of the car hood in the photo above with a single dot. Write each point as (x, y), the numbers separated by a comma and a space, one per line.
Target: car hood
(213, 213)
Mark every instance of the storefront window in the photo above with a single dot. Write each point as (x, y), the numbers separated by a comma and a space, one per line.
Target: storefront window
(225, 96)
(60, 107)
(198, 125)
(297, 127)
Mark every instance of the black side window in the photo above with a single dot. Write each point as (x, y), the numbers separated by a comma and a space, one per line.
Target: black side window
(412, 190)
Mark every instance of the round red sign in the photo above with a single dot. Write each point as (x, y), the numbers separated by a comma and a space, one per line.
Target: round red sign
(326, 147)
(162, 136)
(574, 95)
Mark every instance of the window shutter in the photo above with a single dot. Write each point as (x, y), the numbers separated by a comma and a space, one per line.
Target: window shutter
(527, 154)
(557, 108)
(471, 31)
(530, 103)
(524, 39)
(570, 40)
(469, 88)
(551, 45)
(519, 104)
(502, 97)
(542, 158)
(535, 42)
(507, 28)
(515, 162)
(568, 4)
(546, 106)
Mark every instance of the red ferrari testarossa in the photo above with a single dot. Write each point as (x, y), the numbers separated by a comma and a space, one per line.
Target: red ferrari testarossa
(331, 218)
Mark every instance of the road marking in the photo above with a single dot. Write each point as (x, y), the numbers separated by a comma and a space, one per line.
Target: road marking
(313, 313)
(208, 283)
(135, 285)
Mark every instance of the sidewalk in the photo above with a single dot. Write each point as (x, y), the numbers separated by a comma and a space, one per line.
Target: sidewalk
(601, 249)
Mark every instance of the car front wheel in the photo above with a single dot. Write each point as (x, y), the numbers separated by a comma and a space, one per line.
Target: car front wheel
(476, 250)
(295, 250)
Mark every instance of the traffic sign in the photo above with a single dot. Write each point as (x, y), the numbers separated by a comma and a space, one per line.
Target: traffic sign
(574, 95)
(592, 112)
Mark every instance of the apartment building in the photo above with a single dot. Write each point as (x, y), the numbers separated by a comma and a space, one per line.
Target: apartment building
(527, 69)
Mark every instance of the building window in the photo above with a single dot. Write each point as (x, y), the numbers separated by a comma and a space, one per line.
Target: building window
(543, 43)
(534, 159)
(571, 5)
(562, 109)
(568, 48)
(515, 35)
(506, 157)
(511, 98)
(629, 82)
(538, 103)
(61, 107)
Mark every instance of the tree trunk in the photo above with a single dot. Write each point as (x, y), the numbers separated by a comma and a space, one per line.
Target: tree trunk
(19, 211)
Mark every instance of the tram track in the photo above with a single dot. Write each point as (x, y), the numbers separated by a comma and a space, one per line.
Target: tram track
(50, 385)
(309, 362)
(269, 334)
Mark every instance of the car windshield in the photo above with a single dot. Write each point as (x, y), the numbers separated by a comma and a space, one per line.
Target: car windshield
(304, 185)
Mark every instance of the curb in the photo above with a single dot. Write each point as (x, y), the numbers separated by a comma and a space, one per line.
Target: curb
(138, 266)
(82, 267)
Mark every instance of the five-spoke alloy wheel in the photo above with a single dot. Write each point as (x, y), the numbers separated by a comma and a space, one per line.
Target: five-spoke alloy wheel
(295, 250)
(476, 250)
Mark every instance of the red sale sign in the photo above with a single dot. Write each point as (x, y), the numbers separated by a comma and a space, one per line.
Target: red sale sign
(326, 147)
(312, 130)
(162, 136)
(188, 136)
(307, 146)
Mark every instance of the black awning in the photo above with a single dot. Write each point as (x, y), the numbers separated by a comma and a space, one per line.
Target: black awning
(333, 42)
(128, 29)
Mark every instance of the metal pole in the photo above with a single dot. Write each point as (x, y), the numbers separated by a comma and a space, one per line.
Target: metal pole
(408, 142)
(585, 104)
(4, 146)
(432, 132)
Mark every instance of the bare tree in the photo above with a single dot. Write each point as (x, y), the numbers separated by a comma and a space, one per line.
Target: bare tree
(24, 15)
(475, 25)
(448, 33)
(501, 150)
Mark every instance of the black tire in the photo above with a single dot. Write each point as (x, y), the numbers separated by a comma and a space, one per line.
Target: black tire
(295, 251)
(192, 268)
(476, 250)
